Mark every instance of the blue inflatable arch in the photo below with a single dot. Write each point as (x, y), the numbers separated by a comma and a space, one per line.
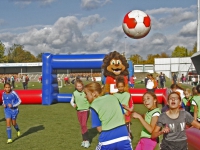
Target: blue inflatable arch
(50, 92)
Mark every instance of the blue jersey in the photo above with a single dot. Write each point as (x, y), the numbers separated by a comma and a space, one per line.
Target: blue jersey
(11, 98)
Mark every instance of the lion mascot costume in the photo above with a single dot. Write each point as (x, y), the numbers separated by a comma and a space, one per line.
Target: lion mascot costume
(114, 65)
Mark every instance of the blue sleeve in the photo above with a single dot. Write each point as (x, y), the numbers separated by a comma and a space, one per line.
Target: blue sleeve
(95, 118)
(17, 100)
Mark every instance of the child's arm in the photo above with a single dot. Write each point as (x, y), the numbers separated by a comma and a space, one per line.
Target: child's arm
(72, 102)
(127, 108)
(156, 132)
(195, 112)
(195, 124)
(99, 129)
(17, 100)
(149, 127)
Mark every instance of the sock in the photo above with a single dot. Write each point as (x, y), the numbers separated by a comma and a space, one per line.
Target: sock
(9, 132)
(16, 127)
(85, 136)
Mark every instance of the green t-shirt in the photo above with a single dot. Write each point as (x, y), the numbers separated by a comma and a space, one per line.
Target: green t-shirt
(148, 117)
(80, 100)
(123, 98)
(196, 100)
(187, 103)
(109, 110)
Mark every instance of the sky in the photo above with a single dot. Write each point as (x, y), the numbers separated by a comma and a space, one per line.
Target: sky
(95, 26)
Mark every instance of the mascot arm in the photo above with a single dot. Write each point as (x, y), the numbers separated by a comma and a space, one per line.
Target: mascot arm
(107, 88)
(126, 89)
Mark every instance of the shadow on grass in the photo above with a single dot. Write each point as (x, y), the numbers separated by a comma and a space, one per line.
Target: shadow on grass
(3, 119)
(30, 131)
(92, 133)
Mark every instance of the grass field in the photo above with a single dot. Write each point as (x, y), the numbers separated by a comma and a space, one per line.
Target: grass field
(54, 127)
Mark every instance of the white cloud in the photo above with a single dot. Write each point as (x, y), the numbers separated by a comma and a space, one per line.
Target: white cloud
(189, 29)
(167, 17)
(28, 2)
(93, 4)
(70, 35)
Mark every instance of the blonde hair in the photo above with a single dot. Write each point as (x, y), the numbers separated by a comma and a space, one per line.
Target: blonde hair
(78, 81)
(187, 90)
(95, 86)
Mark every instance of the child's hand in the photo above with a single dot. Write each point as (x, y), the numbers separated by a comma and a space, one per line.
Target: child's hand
(166, 129)
(125, 107)
(4, 106)
(136, 115)
(75, 105)
(9, 105)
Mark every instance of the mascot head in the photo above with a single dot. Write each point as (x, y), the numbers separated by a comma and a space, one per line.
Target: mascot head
(115, 64)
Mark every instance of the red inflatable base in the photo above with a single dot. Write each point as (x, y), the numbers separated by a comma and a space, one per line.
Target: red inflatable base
(193, 136)
(138, 93)
(27, 96)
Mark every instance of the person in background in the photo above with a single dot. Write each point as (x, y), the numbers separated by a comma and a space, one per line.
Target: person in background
(146, 79)
(12, 78)
(162, 80)
(151, 84)
(187, 101)
(174, 77)
(196, 102)
(131, 81)
(80, 103)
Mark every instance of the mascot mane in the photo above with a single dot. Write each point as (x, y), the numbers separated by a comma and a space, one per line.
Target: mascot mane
(106, 62)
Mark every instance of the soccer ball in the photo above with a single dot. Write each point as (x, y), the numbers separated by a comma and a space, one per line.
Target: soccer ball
(136, 24)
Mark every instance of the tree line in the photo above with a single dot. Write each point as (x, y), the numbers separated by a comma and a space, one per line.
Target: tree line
(17, 54)
(179, 51)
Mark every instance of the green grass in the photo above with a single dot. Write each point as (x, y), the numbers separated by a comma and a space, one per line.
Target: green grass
(55, 127)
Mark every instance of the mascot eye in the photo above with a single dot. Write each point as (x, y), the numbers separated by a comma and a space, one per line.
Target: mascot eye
(119, 62)
(113, 62)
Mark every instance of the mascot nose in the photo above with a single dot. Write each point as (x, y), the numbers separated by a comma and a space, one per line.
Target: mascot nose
(116, 64)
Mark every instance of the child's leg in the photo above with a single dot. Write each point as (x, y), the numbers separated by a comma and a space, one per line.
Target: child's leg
(83, 117)
(146, 143)
(14, 123)
(8, 130)
(84, 129)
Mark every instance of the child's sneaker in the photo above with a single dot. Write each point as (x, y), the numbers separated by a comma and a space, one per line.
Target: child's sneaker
(87, 144)
(18, 133)
(9, 141)
(83, 144)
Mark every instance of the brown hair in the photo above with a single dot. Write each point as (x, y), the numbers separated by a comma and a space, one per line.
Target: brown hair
(95, 86)
(177, 93)
(176, 86)
(194, 91)
(153, 95)
(120, 79)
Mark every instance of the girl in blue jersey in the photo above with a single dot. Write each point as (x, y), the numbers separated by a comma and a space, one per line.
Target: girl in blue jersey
(107, 116)
(11, 101)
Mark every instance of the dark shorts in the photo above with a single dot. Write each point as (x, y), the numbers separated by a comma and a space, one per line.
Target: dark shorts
(174, 145)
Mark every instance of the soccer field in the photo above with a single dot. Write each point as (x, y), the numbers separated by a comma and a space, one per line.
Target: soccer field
(53, 127)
